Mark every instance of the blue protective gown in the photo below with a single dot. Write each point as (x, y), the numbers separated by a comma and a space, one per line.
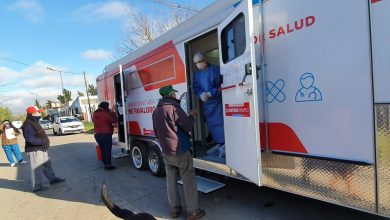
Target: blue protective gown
(208, 80)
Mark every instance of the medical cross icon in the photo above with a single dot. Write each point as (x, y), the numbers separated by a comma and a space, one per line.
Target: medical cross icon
(275, 91)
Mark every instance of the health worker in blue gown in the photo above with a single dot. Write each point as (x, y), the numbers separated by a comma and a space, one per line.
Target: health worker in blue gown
(207, 81)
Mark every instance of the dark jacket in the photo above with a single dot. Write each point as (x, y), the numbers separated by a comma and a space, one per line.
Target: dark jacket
(172, 126)
(34, 135)
(103, 121)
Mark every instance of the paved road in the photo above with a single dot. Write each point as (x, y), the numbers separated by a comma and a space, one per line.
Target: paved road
(74, 158)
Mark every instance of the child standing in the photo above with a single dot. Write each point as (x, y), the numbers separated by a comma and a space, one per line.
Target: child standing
(8, 134)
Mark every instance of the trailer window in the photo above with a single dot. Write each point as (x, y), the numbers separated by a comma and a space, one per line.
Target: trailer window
(233, 39)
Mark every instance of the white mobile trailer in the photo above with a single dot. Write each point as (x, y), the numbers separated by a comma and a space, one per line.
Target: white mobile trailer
(312, 118)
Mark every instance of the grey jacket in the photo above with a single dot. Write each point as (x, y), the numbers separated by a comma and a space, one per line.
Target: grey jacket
(172, 126)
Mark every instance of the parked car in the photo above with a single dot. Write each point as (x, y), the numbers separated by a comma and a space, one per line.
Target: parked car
(45, 124)
(17, 124)
(67, 125)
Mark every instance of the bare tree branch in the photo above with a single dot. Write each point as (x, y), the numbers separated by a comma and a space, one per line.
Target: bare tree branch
(143, 28)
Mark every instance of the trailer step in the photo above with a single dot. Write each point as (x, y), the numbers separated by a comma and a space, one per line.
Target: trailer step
(120, 155)
(206, 185)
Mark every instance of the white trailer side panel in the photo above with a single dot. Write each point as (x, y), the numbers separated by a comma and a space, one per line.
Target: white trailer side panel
(380, 19)
(318, 78)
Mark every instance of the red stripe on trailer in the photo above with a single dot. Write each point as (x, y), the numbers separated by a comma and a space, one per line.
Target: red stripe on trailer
(161, 69)
(375, 1)
(145, 56)
(156, 69)
(159, 49)
(134, 128)
(281, 138)
(148, 132)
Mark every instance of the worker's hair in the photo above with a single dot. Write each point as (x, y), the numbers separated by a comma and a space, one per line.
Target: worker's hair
(10, 124)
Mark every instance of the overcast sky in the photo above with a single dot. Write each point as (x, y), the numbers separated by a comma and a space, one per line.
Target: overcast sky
(71, 36)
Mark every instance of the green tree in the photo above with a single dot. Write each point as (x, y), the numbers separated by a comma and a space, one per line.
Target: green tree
(92, 90)
(5, 113)
(61, 98)
(48, 104)
(37, 103)
(67, 96)
(80, 93)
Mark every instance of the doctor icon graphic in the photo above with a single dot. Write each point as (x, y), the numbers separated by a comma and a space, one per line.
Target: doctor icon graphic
(308, 92)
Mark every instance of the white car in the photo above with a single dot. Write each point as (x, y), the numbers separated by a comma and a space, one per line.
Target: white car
(45, 124)
(17, 124)
(67, 125)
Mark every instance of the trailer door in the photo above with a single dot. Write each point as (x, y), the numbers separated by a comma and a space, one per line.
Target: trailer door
(239, 92)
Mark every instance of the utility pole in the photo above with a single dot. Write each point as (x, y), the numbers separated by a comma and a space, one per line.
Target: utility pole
(86, 90)
(62, 83)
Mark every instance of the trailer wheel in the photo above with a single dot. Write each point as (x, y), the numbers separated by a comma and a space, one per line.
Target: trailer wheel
(139, 155)
(155, 162)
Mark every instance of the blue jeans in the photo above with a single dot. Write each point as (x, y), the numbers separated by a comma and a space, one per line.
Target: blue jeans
(105, 143)
(11, 150)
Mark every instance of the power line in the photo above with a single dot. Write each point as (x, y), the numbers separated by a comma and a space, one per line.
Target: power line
(173, 5)
(7, 84)
(35, 66)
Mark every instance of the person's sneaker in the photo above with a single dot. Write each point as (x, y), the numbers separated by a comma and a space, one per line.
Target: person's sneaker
(40, 188)
(23, 162)
(57, 180)
(109, 167)
(12, 164)
(175, 211)
(198, 214)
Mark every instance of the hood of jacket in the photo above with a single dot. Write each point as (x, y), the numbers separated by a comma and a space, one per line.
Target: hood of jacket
(169, 101)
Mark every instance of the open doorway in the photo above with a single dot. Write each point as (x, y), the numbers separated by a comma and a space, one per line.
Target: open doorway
(203, 141)
(118, 108)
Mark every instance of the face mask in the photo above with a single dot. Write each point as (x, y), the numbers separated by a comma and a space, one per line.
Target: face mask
(201, 65)
(37, 117)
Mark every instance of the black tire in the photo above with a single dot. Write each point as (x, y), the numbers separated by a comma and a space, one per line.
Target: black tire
(155, 161)
(54, 132)
(138, 154)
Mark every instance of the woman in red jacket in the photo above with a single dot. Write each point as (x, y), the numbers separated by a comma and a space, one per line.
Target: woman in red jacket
(104, 122)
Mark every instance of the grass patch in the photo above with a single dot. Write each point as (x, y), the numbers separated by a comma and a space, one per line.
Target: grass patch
(88, 126)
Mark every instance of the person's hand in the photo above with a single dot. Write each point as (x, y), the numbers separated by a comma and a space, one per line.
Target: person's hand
(193, 112)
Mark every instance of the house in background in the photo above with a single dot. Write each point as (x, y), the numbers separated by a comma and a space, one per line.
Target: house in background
(79, 107)
(54, 108)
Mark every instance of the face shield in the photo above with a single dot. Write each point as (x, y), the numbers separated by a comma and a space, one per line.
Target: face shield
(200, 61)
